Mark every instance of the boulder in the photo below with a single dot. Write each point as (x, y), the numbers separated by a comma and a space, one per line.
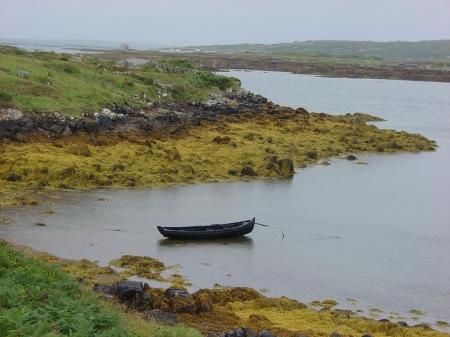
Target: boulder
(128, 290)
(161, 317)
(286, 167)
(351, 157)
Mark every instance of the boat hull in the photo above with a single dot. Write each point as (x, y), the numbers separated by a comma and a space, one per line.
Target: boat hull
(219, 231)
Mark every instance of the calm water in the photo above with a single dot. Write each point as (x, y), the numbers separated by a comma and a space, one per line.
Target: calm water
(376, 233)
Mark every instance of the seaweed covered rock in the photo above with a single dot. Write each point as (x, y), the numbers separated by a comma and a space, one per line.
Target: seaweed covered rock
(247, 170)
(182, 305)
(203, 302)
(286, 167)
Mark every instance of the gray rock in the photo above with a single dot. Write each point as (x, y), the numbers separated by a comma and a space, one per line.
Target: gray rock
(161, 317)
(10, 114)
(128, 290)
(23, 74)
(351, 157)
(176, 292)
(239, 332)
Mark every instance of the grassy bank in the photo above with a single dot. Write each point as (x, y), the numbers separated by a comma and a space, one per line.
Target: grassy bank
(49, 82)
(37, 299)
(245, 147)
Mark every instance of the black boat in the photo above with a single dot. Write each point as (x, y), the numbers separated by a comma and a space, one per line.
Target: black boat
(216, 231)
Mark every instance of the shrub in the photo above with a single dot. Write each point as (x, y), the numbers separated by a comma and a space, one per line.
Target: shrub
(205, 79)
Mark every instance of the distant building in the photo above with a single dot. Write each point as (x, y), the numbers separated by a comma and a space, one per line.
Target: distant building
(124, 46)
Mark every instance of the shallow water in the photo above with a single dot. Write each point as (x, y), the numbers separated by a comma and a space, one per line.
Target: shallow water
(376, 233)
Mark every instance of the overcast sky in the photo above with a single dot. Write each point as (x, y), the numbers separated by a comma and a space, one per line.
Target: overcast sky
(190, 22)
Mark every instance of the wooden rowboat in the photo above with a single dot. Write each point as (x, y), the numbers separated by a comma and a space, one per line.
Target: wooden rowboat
(216, 231)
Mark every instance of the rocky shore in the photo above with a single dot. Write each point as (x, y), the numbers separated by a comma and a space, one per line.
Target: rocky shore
(219, 313)
(156, 118)
(222, 311)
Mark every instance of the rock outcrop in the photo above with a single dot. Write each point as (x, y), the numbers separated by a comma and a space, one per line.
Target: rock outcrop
(116, 119)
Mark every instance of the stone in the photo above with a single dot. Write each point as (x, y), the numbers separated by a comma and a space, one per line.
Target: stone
(248, 171)
(23, 74)
(312, 154)
(239, 332)
(402, 324)
(10, 114)
(266, 333)
(232, 105)
(128, 291)
(13, 177)
(286, 167)
(176, 292)
(161, 317)
(103, 289)
(351, 157)
(232, 172)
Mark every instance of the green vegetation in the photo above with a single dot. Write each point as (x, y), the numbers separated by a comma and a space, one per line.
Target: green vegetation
(38, 300)
(439, 49)
(49, 82)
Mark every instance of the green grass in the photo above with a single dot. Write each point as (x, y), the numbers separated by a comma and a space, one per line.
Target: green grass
(38, 300)
(72, 86)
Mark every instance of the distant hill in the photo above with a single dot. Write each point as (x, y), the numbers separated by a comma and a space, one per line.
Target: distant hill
(437, 49)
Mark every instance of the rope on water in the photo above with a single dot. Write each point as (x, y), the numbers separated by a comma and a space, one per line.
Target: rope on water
(282, 232)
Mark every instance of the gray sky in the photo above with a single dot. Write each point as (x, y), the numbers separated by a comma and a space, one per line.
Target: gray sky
(189, 22)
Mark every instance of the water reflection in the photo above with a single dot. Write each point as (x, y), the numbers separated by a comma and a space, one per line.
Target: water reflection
(241, 242)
